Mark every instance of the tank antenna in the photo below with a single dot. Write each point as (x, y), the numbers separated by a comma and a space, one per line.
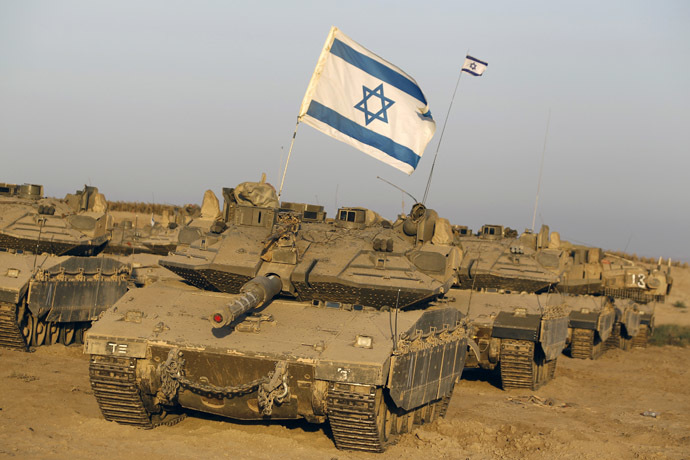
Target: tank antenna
(443, 130)
(395, 338)
(399, 188)
(38, 241)
(541, 168)
(292, 143)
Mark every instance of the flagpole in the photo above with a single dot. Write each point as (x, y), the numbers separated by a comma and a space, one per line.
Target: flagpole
(541, 168)
(280, 191)
(438, 146)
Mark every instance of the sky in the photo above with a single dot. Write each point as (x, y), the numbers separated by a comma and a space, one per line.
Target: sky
(161, 100)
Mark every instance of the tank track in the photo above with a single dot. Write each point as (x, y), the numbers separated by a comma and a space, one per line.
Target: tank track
(614, 340)
(353, 419)
(617, 340)
(113, 381)
(10, 334)
(445, 402)
(641, 339)
(551, 369)
(582, 344)
(521, 367)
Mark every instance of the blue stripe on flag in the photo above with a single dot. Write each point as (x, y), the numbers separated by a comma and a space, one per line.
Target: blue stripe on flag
(477, 60)
(376, 69)
(361, 134)
(473, 73)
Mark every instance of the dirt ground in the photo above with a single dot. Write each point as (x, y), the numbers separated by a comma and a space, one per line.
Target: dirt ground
(592, 410)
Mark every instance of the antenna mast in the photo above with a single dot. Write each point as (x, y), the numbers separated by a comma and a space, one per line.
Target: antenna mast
(443, 130)
(541, 168)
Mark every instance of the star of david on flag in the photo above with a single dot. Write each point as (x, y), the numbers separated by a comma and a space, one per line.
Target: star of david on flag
(474, 66)
(360, 99)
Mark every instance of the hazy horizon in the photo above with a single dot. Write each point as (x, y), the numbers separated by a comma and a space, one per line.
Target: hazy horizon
(161, 100)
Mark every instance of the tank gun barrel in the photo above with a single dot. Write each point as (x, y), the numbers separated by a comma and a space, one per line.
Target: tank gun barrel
(253, 294)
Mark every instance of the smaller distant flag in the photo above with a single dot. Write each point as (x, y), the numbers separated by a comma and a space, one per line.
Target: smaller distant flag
(474, 66)
(153, 222)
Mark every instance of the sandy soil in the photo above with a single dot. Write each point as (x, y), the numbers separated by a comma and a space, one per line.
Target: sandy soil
(592, 410)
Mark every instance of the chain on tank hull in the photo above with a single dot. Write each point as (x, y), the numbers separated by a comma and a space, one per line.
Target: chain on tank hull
(113, 381)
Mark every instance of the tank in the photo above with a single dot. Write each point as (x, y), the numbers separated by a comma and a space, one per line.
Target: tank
(329, 321)
(641, 339)
(592, 271)
(156, 238)
(496, 258)
(145, 233)
(626, 326)
(31, 223)
(48, 299)
(577, 270)
(591, 322)
(519, 335)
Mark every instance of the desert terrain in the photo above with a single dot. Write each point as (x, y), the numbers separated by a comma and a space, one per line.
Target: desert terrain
(592, 410)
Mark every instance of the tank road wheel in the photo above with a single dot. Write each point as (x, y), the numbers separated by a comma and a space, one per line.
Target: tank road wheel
(41, 334)
(79, 334)
(403, 422)
(53, 333)
(360, 418)
(384, 420)
(29, 329)
(67, 334)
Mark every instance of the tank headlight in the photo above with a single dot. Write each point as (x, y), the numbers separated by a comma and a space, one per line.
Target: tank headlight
(364, 341)
(13, 272)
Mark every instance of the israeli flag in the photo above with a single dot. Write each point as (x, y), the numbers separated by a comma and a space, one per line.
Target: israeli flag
(368, 103)
(474, 66)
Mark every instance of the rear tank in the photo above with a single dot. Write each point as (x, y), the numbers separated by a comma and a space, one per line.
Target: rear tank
(591, 322)
(627, 325)
(289, 317)
(519, 335)
(30, 223)
(496, 258)
(641, 339)
(592, 271)
(46, 299)
(133, 231)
